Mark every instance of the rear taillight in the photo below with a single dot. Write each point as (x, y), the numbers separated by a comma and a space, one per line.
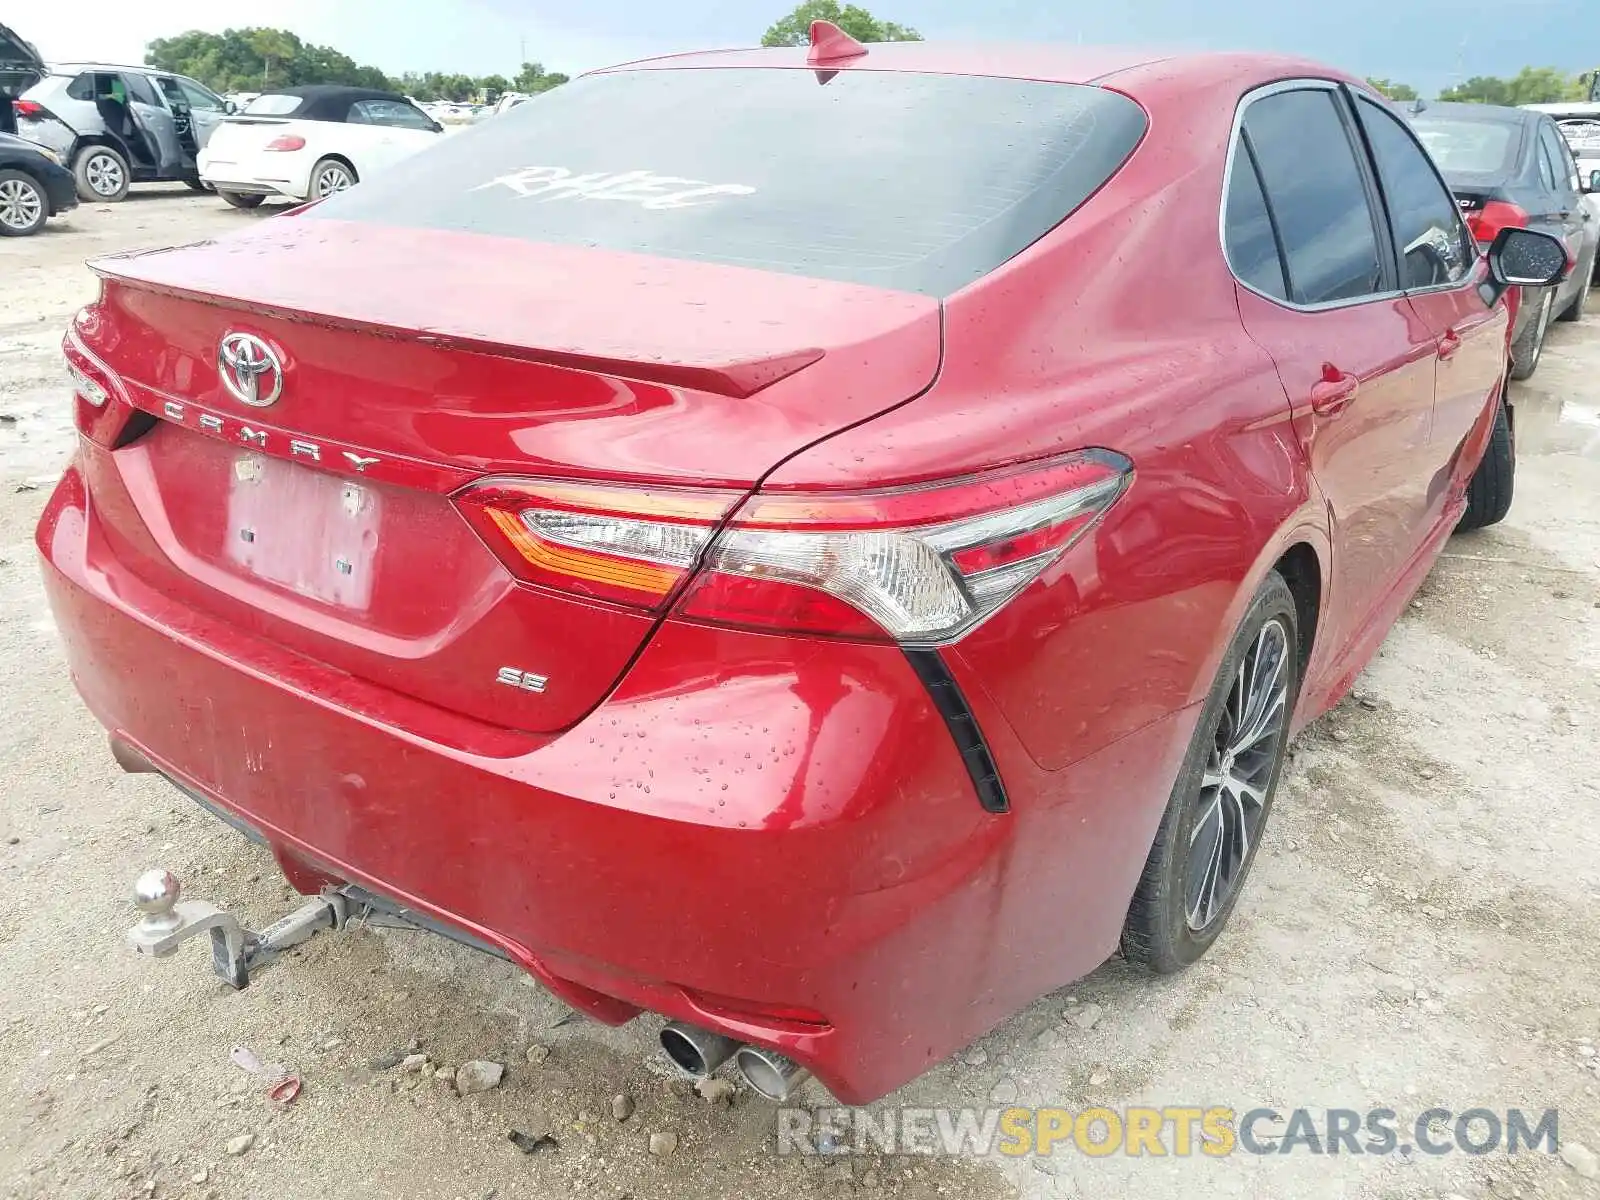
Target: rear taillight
(31, 109)
(101, 406)
(1487, 222)
(630, 546)
(287, 141)
(918, 565)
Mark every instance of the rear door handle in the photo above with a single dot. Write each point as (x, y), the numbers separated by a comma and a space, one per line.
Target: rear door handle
(1449, 343)
(1332, 394)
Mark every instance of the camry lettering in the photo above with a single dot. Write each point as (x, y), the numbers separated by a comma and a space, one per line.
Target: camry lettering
(644, 188)
(263, 439)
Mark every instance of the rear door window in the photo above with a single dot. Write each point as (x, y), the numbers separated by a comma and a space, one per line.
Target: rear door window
(1561, 160)
(1317, 195)
(140, 89)
(169, 89)
(1432, 240)
(1547, 166)
(1251, 242)
(915, 182)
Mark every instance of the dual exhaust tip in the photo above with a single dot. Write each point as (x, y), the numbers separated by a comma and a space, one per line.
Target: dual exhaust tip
(698, 1052)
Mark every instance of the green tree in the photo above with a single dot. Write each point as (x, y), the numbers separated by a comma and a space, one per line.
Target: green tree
(1395, 91)
(274, 47)
(795, 29)
(250, 59)
(533, 78)
(1531, 85)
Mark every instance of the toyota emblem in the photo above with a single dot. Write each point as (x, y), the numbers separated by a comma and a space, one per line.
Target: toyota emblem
(250, 369)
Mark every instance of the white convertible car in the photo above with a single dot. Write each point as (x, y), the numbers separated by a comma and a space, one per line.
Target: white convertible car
(308, 142)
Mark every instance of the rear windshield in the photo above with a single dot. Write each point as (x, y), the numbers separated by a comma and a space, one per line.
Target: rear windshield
(1583, 135)
(1465, 146)
(273, 105)
(915, 182)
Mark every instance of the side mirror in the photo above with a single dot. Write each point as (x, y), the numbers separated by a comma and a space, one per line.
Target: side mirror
(1526, 258)
(229, 107)
(1593, 184)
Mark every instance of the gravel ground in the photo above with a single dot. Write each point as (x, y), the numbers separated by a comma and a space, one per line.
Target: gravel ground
(1418, 933)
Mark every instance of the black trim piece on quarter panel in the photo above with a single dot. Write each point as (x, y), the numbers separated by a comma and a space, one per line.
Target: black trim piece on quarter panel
(957, 713)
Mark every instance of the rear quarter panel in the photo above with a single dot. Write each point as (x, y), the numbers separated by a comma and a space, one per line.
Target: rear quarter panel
(1119, 329)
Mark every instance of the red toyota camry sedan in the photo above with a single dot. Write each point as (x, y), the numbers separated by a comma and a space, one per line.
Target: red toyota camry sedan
(825, 545)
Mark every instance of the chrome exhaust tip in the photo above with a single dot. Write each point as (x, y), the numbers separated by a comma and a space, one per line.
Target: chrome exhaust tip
(694, 1050)
(771, 1074)
(129, 759)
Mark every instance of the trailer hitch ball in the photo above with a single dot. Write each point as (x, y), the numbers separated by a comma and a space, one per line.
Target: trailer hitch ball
(155, 894)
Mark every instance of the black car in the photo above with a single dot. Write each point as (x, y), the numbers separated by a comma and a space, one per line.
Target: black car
(1509, 166)
(34, 187)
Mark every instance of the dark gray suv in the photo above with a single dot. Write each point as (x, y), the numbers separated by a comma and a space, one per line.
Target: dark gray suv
(116, 126)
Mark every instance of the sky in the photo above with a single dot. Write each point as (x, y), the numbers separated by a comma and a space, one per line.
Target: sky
(1427, 43)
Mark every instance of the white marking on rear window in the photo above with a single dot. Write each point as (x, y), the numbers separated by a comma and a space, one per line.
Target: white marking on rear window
(644, 188)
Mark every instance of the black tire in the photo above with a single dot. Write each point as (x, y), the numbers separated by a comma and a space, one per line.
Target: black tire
(1489, 491)
(1529, 346)
(242, 199)
(1575, 308)
(101, 174)
(24, 207)
(195, 184)
(1159, 931)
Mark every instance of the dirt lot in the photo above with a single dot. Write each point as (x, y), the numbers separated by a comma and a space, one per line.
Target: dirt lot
(1420, 931)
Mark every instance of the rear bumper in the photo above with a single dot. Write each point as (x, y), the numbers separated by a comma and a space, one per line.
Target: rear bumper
(783, 847)
(60, 190)
(237, 177)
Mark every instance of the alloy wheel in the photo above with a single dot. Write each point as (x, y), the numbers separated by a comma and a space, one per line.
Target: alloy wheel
(332, 178)
(1228, 811)
(104, 174)
(20, 204)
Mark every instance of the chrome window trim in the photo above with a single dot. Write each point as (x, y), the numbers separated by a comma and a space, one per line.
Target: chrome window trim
(1308, 83)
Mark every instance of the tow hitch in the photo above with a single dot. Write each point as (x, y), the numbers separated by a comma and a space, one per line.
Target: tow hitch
(235, 951)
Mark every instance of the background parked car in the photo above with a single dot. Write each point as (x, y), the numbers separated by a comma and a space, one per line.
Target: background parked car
(20, 68)
(309, 142)
(34, 187)
(1580, 126)
(117, 126)
(1511, 167)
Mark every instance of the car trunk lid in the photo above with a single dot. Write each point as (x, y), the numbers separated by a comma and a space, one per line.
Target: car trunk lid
(416, 362)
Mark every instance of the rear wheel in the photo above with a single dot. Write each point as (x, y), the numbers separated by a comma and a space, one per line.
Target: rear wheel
(1489, 492)
(1525, 351)
(242, 199)
(330, 176)
(195, 184)
(101, 173)
(23, 207)
(1575, 308)
(1218, 808)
